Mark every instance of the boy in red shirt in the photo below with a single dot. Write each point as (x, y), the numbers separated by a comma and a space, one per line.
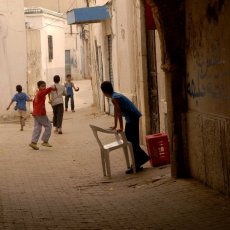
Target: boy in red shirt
(40, 117)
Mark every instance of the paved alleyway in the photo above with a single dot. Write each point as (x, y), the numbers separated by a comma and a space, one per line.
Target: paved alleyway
(63, 188)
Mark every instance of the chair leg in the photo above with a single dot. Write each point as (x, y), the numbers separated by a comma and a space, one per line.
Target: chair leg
(103, 162)
(107, 163)
(126, 156)
(132, 157)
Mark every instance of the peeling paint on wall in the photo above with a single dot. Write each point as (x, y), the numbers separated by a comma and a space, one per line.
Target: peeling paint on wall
(206, 83)
(208, 89)
(208, 46)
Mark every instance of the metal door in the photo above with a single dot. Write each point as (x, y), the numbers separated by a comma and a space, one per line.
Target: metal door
(67, 62)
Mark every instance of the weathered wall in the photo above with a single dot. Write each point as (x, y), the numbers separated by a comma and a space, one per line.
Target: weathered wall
(140, 62)
(123, 56)
(57, 65)
(73, 41)
(169, 17)
(33, 60)
(12, 52)
(208, 90)
(55, 5)
(126, 68)
(129, 56)
(47, 25)
(73, 44)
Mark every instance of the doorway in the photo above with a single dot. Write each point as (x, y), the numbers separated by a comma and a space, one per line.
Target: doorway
(67, 62)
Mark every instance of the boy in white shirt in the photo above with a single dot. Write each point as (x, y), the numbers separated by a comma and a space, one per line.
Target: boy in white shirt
(56, 100)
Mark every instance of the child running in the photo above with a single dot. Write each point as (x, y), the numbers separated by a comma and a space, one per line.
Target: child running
(20, 98)
(69, 93)
(56, 100)
(40, 117)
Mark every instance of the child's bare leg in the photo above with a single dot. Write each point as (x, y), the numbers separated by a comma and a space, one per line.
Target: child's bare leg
(22, 122)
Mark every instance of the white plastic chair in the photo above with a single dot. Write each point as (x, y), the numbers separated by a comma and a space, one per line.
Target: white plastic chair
(120, 142)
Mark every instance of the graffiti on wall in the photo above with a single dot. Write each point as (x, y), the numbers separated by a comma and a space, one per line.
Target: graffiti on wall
(214, 87)
(209, 77)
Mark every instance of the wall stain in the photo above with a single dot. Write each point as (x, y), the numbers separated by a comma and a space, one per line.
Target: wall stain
(213, 10)
(210, 74)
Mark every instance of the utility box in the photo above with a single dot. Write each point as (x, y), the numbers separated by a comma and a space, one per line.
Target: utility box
(158, 149)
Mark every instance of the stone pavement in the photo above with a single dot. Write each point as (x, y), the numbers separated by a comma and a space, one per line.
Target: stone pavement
(62, 188)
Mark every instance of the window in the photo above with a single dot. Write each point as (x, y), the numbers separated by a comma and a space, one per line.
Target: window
(50, 47)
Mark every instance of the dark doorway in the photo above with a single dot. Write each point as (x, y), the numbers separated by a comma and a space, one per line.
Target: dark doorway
(152, 72)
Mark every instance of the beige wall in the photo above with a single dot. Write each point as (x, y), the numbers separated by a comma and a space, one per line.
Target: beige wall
(131, 53)
(55, 5)
(129, 56)
(124, 46)
(73, 42)
(34, 64)
(208, 88)
(12, 52)
(124, 71)
(42, 25)
(57, 65)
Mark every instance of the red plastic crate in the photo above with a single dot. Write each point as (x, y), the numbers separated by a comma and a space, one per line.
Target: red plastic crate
(158, 149)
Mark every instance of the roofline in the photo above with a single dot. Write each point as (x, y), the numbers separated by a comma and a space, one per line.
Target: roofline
(40, 10)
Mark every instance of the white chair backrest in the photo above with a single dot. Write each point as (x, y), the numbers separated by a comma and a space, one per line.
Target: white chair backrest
(120, 136)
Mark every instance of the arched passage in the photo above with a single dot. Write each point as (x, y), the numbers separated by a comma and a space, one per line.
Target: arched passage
(169, 17)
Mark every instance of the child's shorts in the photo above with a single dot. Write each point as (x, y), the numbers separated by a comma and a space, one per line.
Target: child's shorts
(22, 113)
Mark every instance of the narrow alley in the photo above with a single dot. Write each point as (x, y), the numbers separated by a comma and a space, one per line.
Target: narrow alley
(62, 187)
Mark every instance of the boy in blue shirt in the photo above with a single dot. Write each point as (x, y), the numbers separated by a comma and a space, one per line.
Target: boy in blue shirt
(123, 107)
(20, 98)
(69, 93)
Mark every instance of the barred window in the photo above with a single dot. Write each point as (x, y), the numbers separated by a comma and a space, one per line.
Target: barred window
(50, 47)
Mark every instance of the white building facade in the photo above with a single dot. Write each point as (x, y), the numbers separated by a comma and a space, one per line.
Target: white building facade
(45, 30)
(74, 36)
(12, 53)
(122, 52)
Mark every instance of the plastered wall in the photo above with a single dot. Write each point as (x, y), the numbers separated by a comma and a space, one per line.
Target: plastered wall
(73, 42)
(34, 60)
(39, 40)
(12, 53)
(208, 91)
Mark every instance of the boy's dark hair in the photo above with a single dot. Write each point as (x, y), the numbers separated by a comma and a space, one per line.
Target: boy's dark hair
(68, 75)
(56, 78)
(107, 87)
(39, 83)
(19, 88)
